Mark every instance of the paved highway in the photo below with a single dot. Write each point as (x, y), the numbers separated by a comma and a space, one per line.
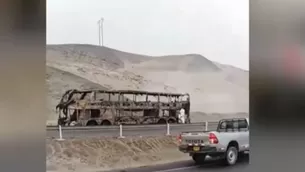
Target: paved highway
(189, 166)
(114, 131)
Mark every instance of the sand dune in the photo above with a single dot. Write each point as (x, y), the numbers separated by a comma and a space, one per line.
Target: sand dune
(214, 87)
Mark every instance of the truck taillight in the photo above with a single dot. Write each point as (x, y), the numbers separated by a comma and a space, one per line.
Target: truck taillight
(213, 139)
(179, 138)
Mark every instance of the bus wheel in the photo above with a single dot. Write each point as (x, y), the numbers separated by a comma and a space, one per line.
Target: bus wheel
(171, 121)
(91, 123)
(106, 122)
(162, 121)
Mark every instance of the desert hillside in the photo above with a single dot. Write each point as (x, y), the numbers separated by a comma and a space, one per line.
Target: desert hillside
(58, 82)
(214, 87)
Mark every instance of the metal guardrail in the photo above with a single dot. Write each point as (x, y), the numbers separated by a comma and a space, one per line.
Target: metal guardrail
(128, 130)
(113, 127)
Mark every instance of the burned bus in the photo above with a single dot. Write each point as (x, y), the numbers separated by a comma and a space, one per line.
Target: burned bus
(100, 107)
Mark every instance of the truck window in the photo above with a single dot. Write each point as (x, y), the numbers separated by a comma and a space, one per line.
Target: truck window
(242, 124)
(230, 125)
(223, 125)
(227, 125)
(234, 125)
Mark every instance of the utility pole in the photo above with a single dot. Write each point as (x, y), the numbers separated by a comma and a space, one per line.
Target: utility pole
(102, 28)
(100, 23)
(99, 32)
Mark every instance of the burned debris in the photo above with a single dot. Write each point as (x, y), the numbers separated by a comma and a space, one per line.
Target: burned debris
(100, 107)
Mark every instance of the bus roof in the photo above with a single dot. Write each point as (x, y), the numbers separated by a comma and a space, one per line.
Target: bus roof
(132, 92)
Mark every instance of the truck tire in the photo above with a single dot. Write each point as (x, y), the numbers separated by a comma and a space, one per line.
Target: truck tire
(231, 156)
(199, 158)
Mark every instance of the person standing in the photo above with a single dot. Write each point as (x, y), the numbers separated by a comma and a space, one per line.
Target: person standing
(182, 116)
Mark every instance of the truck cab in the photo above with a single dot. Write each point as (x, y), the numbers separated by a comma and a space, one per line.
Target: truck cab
(228, 142)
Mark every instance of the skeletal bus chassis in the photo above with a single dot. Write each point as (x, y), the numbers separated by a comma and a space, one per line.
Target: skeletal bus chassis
(84, 108)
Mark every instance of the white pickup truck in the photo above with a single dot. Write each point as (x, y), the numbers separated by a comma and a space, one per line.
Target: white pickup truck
(228, 142)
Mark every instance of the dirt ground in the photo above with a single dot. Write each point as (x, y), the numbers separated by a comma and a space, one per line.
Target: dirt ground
(99, 154)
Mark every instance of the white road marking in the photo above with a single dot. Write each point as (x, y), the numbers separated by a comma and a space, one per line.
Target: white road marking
(177, 169)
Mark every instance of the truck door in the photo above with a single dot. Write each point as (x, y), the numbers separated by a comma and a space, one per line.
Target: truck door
(243, 128)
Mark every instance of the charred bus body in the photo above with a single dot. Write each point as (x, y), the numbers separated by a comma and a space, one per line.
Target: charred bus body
(99, 107)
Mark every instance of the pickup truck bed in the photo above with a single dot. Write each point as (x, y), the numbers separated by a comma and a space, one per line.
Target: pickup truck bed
(230, 140)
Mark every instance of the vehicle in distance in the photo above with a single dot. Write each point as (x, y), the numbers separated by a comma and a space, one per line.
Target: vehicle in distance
(229, 142)
(114, 107)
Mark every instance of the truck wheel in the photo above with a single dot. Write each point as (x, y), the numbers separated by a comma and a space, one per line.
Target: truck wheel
(199, 158)
(231, 156)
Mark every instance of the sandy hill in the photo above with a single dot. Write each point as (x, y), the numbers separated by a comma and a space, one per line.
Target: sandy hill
(214, 87)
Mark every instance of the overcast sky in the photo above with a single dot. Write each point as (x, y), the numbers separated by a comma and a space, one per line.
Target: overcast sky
(216, 29)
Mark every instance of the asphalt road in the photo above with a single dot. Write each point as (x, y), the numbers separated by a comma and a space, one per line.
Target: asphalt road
(114, 131)
(189, 166)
